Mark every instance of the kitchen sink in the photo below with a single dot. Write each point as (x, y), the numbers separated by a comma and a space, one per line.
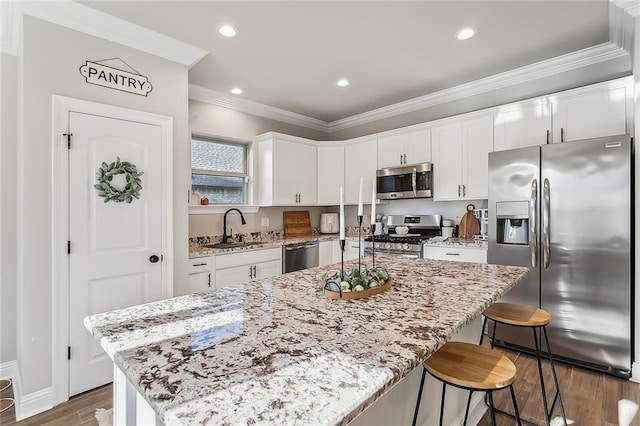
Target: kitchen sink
(233, 245)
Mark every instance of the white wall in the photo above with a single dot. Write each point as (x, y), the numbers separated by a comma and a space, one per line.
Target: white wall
(8, 152)
(49, 63)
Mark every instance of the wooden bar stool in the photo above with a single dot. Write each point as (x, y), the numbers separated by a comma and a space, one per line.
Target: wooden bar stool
(537, 319)
(471, 367)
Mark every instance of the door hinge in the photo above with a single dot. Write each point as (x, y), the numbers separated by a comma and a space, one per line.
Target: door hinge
(68, 135)
(68, 247)
(69, 353)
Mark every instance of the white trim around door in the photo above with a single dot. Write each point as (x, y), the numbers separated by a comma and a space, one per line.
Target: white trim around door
(62, 107)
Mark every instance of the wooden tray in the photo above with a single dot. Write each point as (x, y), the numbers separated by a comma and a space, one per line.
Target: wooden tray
(358, 294)
(297, 223)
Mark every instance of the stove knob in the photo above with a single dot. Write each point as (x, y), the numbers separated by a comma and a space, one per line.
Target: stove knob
(406, 246)
(387, 246)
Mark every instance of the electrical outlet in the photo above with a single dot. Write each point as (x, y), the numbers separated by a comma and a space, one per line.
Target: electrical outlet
(264, 221)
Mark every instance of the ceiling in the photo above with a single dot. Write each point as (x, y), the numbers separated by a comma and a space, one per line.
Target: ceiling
(289, 55)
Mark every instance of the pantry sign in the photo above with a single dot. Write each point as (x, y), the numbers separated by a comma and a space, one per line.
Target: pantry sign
(114, 78)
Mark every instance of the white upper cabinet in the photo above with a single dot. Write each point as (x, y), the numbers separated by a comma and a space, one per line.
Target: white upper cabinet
(330, 173)
(360, 160)
(404, 148)
(477, 143)
(447, 161)
(287, 170)
(523, 124)
(460, 159)
(594, 111)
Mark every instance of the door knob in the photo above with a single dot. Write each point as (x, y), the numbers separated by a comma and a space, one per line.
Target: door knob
(154, 258)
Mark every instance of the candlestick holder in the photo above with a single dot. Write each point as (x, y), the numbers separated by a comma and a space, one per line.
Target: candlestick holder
(373, 245)
(342, 244)
(359, 240)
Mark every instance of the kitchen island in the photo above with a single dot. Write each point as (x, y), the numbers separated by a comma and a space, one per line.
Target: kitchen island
(277, 351)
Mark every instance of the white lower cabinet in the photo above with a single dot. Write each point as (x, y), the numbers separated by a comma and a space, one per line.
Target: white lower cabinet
(325, 253)
(234, 268)
(330, 251)
(457, 254)
(199, 278)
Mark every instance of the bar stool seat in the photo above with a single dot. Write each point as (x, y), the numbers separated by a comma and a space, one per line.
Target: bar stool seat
(518, 315)
(471, 367)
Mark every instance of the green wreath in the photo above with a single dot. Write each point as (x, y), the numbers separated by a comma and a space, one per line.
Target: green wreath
(106, 173)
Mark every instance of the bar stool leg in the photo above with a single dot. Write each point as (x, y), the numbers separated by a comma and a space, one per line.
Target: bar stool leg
(515, 405)
(484, 326)
(415, 413)
(444, 389)
(493, 411)
(466, 411)
(558, 395)
(544, 393)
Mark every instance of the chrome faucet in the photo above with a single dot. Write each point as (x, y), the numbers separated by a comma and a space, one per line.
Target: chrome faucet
(224, 223)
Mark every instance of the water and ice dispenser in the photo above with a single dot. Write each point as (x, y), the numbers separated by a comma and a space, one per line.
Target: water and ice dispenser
(512, 222)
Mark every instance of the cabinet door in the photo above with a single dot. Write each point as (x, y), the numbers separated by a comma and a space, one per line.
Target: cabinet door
(478, 143)
(197, 283)
(330, 174)
(267, 269)
(447, 162)
(352, 249)
(391, 151)
(418, 147)
(360, 160)
(600, 112)
(336, 253)
(235, 275)
(522, 126)
(294, 172)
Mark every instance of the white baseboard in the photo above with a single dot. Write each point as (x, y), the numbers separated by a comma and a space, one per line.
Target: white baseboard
(34, 403)
(635, 372)
(26, 405)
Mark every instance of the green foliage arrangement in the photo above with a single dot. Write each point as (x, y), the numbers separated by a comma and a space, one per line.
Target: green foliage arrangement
(356, 280)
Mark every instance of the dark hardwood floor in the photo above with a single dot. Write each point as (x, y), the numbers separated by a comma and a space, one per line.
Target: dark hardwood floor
(591, 399)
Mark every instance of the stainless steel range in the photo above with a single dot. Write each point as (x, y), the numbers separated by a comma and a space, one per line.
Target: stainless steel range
(420, 229)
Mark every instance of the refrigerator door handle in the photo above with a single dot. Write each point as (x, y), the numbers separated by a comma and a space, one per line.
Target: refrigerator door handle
(533, 206)
(546, 246)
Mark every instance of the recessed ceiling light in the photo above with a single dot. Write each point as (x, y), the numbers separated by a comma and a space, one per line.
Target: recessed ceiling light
(236, 91)
(227, 31)
(466, 33)
(342, 83)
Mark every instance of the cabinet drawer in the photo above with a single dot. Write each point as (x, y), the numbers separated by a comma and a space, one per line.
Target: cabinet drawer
(199, 264)
(458, 254)
(248, 257)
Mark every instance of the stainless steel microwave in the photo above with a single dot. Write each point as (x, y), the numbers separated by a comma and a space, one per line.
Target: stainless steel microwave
(405, 182)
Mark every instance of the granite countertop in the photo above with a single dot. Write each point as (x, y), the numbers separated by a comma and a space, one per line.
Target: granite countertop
(460, 242)
(196, 250)
(277, 351)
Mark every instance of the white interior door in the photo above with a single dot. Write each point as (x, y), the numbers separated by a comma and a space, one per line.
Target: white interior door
(111, 243)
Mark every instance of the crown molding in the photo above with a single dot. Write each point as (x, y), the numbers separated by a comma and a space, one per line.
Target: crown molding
(621, 26)
(90, 21)
(571, 61)
(199, 93)
(632, 7)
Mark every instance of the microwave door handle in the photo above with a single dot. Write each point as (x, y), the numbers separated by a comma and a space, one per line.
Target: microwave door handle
(413, 182)
(533, 206)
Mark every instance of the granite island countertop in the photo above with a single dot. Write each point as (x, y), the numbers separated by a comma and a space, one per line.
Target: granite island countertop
(276, 351)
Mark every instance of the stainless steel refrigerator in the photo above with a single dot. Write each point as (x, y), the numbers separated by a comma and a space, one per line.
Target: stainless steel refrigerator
(565, 211)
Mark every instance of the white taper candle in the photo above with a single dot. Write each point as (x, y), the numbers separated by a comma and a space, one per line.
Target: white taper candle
(341, 213)
(373, 202)
(360, 199)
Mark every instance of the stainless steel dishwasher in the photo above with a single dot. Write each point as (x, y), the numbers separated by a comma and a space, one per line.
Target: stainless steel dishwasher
(299, 256)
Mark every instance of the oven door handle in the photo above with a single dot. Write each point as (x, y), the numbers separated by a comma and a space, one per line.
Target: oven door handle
(413, 182)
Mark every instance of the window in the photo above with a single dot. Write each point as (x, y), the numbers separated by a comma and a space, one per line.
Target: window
(219, 170)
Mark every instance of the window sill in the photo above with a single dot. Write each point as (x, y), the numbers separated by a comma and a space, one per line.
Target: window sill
(221, 208)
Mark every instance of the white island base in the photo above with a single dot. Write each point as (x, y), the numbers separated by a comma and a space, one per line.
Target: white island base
(396, 407)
